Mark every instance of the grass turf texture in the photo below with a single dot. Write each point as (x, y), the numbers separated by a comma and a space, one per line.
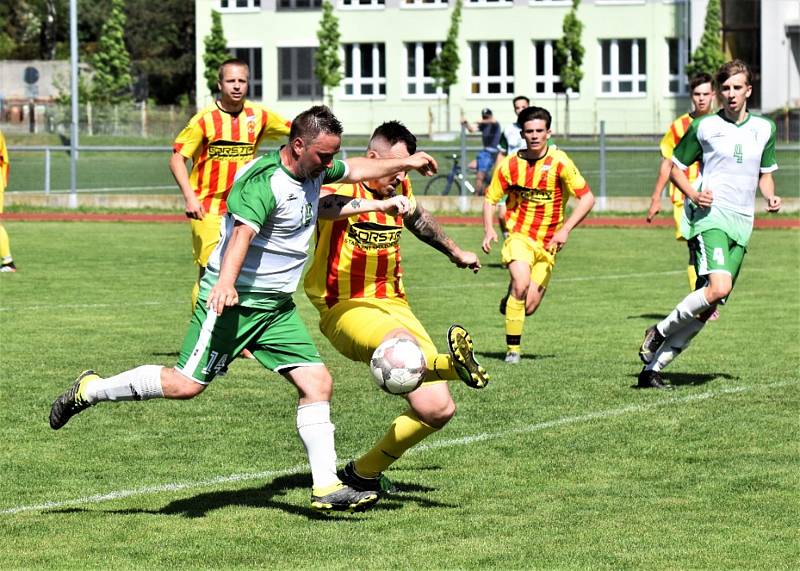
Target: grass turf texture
(559, 463)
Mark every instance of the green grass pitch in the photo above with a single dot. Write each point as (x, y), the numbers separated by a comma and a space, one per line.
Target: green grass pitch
(559, 463)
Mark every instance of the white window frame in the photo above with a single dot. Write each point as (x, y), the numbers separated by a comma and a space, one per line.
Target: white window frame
(253, 82)
(419, 79)
(549, 2)
(683, 83)
(619, 2)
(547, 75)
(420, 5)
(373, 5)
(489, 3)
(357, 81)
(615, 77)
(483, 79)
(231, 7)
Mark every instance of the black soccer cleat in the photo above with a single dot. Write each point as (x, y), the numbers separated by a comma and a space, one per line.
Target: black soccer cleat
(653, 380)
(344, 499)
(459, 342)
(381, 484)
(652, 341)
(70, 403)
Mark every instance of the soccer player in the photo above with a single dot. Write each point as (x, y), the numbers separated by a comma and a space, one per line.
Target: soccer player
(538, 182)
(511, 142)
(218, 140)
(702, 94)
(737, 151)
(356, 283)
(246, 294)
(6, 261)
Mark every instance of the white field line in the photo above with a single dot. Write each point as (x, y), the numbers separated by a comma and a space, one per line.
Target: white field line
(444, 443)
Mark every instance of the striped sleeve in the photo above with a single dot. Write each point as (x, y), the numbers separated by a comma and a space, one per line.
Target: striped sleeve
(688, 149)
(500, 182)
(190, 138)
(572, 178)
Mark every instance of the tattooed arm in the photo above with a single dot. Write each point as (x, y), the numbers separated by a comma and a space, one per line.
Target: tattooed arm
(335, 206)
(424, 226)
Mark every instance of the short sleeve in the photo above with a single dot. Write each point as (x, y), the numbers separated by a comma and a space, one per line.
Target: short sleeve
(275, 128)
(688, 150)
(498, 187)
(251, 200)
(190, 139)
(768, 160)
(338, 171)
(572, 178)
(667, 144)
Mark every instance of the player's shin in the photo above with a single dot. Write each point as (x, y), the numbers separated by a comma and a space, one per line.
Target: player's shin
(693, 304)
(406, 431)
(316, 431)
(515, 321)
(675, 344)
(141, 383)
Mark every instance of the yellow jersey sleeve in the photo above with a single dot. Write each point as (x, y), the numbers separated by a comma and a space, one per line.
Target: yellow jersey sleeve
(500, 181)
(572, 178)
(190, 139)
(276, 127)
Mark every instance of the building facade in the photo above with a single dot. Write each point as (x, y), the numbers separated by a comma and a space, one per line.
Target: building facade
(634, 80)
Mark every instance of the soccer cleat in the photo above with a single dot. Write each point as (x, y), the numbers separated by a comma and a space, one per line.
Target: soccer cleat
(8, 268)
(653, 380)
(381, 484)
(344, 499)
(461, 351)
(70, 403)
(652, 341)
(513, 357)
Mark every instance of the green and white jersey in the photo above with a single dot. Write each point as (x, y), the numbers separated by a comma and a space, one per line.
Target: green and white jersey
(282, 210)
(511, 140)
(733, 157)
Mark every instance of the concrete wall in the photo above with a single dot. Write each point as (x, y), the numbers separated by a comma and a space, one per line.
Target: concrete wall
(13, 87)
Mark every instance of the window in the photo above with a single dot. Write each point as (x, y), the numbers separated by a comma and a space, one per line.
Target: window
(424, 4)
(546, 71)
(240, 4)
(296, 79)
(492, 67)
(362, 3)
(299, 4)
(490, 2)
(549, 2)
(623, 67)
(252, 56)
(364, 69)
(419, 56)
(676, 66)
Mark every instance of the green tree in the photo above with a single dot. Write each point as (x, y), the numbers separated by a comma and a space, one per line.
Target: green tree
(327, 64)
(444, 68)
(216, 51)
(111, 62)
(569, 56)
(708, 57)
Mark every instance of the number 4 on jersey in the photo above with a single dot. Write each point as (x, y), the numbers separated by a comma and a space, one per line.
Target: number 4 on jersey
(737, 153)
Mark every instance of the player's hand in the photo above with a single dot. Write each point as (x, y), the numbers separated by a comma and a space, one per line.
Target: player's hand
(194, 210)
(489, 237)
(395, 206)
(655, 208)
(423, 163)
(557, 241)
(704, 199)
(464, 259)
(774, 203)
(222, 296)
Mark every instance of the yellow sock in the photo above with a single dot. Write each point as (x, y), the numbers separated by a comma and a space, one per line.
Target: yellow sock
(195, 294)
(692, 277)
(515, 321)
(442, 369)
(406, 431)
(5, 245)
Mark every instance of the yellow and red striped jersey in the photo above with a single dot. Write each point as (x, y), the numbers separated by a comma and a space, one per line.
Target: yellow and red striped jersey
(668, 143)
(359, 256)
(3, 163)
(537, 191)
(219, 143)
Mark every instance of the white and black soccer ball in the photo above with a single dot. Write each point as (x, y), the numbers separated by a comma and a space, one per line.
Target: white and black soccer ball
(398, 366)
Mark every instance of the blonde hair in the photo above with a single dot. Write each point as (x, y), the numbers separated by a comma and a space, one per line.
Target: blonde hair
(732, 68)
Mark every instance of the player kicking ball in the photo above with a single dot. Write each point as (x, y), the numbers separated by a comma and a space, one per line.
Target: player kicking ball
(246, 295)
(356, 283)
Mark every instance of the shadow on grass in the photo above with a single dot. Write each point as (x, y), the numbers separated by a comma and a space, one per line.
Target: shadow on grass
(166, 354)
(691, 379)
(270, 496)
(658, 316)
(501, 356)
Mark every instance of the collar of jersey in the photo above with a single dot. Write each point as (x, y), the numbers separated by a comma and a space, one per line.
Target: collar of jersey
(721, 114)
(216, 102)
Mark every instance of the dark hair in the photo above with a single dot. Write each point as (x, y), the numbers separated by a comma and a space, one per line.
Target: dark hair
(394, 132)
(314, 121)
(531, 113)
(518, 97)
(699, 79)
(232, 61)
(732, 68)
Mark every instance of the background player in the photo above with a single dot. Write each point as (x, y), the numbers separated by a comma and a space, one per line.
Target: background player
(6, 261)
(511, 142)
(218, 140)
(702, 94)
(246, 295)
(538, 182)
(356, 283)
(737, 150)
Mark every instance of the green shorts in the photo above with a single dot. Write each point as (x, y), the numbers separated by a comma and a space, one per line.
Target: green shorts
(716, 252)
(276, 336)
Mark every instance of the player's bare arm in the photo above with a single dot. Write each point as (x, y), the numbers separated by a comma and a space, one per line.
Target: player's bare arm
(680, 180)
(177, 165)
(424, 226)
(224, 293)
(489, 235)
(655, 199)
(766, 185)
(362, 169)
(581, 210)
(335, 206)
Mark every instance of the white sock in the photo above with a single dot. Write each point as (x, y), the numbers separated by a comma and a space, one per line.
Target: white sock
(316, 431)
(675, 344)
(141, 383)
(693, 304)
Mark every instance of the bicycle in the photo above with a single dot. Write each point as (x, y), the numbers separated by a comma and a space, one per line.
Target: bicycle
(442, 183)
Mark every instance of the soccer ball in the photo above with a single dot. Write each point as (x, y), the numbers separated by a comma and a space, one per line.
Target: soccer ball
(398, 366)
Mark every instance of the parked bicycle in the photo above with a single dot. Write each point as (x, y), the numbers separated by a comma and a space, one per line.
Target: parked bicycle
(442, 183)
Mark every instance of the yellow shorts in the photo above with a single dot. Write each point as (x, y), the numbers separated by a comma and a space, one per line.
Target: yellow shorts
(205, 236)
(518, 247)
(677, 214)
(355, 327)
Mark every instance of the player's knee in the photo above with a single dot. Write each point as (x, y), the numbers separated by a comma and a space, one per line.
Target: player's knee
(716, 292)
(438, 416)
(177, 386)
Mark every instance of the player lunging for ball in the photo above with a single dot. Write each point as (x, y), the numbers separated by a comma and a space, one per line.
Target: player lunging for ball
(356, 283)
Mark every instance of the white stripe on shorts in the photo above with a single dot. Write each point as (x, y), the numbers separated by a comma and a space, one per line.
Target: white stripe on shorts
(702, 261)
(200, 346)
